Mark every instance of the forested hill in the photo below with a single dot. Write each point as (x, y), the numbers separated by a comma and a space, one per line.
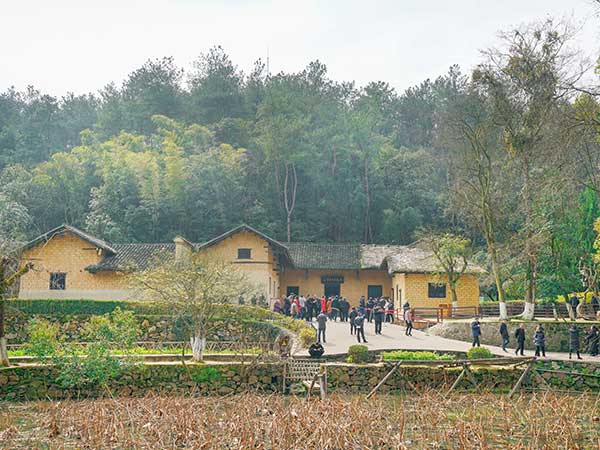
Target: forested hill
(197, 153)
(506, 155)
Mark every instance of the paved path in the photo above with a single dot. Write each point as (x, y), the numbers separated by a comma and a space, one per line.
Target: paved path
(393, 337)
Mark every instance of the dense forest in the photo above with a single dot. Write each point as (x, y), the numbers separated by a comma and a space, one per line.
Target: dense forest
(506, 155)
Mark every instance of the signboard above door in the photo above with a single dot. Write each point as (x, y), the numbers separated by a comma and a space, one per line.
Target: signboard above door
(327, 279)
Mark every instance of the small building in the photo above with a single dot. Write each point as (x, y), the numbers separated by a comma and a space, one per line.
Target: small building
(70, 263)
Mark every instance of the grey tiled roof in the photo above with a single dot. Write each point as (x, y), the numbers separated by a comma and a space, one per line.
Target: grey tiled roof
(132, 256)
(324, 256)
(62, 229)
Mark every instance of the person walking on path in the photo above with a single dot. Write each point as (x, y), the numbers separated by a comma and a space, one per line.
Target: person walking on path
(539, 339)
(378, 314)
(574, 341)
(353, 314)
(321, 326)
(476, 332)
(389, 311)
(592, 340)
(520, 336)
(504, 334)
(408, 321)
(370, 305)
(595, 304)
(359, 323)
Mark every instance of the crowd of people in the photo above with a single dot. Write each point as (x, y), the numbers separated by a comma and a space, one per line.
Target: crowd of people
(379, 310)
(372, 310)
(592, 339)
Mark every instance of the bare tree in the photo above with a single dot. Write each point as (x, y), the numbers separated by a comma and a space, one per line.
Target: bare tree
(193, 287)
(527, 80)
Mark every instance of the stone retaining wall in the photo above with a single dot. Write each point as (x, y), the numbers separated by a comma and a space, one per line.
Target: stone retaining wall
(557, 335)
(37, 382)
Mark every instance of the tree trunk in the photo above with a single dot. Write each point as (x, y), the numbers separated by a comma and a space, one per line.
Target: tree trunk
(368, 234)
(290, 203)
(198, 344)
(497, 280)
(3, 344)
(530, 251)
(454, 296)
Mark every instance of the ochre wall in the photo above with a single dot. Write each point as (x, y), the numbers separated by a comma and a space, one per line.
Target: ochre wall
(415, 290)
(355, 282)
(260, 269)
(69, 254)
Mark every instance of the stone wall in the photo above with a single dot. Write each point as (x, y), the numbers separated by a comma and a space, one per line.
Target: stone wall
(37, 382)
(350, 378)
(557, 334)
(152, 328)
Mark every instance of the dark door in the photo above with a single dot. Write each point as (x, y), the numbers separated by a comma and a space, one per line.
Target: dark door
(332, 289)
(374, 291)
(292, 290)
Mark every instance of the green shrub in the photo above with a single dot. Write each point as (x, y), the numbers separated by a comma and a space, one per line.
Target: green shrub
(97, 368)
(358, 354)
(116, 329)
(479, 353)
(43, 338)
(415, 356)
(50, 306)
(207, 375)
(307, 337)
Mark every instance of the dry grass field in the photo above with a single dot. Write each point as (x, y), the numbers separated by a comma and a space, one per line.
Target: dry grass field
(250, 421)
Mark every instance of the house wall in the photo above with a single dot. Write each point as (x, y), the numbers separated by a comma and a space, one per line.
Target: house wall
(415, 288)
(69, 254)
(261, 268)
(355, 283)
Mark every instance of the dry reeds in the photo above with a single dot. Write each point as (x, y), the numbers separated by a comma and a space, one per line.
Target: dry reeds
(250, 421)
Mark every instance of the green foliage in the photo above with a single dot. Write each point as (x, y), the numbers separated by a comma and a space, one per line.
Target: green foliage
(307, 337)
(118, 328)
(415, 356)
(97, 367)
(479, 353)
(65, 307)
(43, 338)
(206, 374)
(358, 354)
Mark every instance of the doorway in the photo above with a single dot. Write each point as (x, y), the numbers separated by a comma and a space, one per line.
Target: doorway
(332, 289)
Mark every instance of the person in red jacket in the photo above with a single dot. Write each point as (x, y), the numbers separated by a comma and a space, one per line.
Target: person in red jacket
(323, 304)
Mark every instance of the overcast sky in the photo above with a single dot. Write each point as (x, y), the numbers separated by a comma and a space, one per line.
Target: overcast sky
(81, 45)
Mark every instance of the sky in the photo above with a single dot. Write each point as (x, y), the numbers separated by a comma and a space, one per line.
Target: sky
(79, 46)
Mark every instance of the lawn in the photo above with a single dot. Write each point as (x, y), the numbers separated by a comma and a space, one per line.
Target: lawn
(427, 420)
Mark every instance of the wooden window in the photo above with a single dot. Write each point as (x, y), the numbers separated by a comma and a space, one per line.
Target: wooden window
(436, 290)
(58, 281)
(244, 253)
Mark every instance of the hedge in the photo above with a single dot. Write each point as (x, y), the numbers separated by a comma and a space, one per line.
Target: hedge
(51, 306)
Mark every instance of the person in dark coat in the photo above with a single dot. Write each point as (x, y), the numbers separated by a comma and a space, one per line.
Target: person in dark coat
(316, 350)
(359, 323)
(520, 336)
(344, 308)
(592, 340)
(321, 326)
(539, 340)
(595, 304)
(574, 304)
(378, 314)
(504, 334)
(361, 302)
(352, 316)
(406, 306)
(476, 332)
(335, 308)
(574, 341)
(370, 306)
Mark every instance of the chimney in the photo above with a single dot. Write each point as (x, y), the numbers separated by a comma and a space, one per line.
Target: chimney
(183, 249)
